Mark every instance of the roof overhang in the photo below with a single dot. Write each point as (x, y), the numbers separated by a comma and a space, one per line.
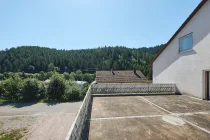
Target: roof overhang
(180, 28)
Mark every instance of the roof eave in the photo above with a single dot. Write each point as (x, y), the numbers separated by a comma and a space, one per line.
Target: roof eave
(180, 28)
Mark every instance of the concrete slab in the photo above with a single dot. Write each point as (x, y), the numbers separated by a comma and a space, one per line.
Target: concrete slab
(163, 128)
(149, 117)
(122, 106)
(202, 120)
(180, 103)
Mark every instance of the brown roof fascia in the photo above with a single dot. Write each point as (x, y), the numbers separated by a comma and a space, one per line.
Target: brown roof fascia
(180, 28)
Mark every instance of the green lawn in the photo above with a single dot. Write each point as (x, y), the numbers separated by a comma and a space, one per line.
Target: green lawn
(13, 135)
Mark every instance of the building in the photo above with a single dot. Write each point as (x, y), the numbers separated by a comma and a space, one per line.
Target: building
(120, 76)
(185, 59)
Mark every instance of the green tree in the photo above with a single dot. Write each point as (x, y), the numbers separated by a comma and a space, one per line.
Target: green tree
(76, 91)
(6, 75)
(57, 87)
(83, 90)
(66, 76)
(1, 90)
(48, 75)
(51, 67)
(42, 76)
(42, 91)
(12, 88)
(23, 75)
(103, 58)
(72, 76)
(30, 90)
(1, 76)
(73, 92)
(88, 77)
(78, 75)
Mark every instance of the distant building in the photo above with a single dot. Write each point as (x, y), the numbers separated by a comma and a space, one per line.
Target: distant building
(120, 76)
(81, 82)
(185, 59)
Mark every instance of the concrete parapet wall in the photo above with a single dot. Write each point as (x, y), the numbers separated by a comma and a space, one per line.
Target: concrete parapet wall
(133, 88)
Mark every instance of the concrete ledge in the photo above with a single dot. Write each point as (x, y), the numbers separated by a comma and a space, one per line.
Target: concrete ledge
(133, 94)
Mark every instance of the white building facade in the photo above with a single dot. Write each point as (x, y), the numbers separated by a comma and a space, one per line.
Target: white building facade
(185, 60)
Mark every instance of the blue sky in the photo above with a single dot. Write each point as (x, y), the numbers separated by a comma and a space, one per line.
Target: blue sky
(79, 24)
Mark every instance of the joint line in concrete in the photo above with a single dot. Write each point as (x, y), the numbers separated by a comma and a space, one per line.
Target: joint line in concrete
(125, 117)
(156, 105)
(192, 124)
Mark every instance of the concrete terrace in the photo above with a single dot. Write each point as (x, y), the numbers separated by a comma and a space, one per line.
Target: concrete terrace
(149, 117)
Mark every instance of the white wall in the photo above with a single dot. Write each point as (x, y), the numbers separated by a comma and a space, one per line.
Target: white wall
(186, 69)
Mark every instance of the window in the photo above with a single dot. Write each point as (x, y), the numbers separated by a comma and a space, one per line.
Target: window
(186, 43)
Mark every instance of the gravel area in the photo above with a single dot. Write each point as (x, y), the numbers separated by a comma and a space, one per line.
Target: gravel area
(42, 121)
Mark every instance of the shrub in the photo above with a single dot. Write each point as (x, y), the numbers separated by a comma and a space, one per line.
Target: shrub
(1, 76)
(51, 67)
(42, 91)
(57, 87)
(31, 76)
(6, 75)
(66, 76)
(66, 96)
(49, 75)
(41, 76)
(23, 75)
(12, 88)
(72, 76)
(1, 90)
(84, 90)
(78, 75)
(30, 90)
(88, 77)
(76, 91)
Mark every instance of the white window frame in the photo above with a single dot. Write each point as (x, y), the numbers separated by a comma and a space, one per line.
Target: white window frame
(180, 43)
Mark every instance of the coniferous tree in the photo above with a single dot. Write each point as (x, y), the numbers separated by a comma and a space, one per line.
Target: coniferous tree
(33, 59)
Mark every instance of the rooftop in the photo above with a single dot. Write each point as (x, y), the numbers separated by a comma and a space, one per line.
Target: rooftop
(149, 117)
(120, 76)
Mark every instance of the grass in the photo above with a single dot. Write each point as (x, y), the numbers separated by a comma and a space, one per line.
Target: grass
(15, 118)
(1, 123)
(47, 100)
(13, 135)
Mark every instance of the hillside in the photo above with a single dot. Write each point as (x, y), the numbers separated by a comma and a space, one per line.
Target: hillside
(35, 59)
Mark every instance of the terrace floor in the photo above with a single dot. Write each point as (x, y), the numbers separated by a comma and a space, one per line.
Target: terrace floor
(149, 117)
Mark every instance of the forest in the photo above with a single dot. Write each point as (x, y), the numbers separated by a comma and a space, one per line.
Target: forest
(33, 73)
(34, 59)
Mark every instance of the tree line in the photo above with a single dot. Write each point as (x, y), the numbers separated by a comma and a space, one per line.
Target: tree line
(43, 86)
(33, 59)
